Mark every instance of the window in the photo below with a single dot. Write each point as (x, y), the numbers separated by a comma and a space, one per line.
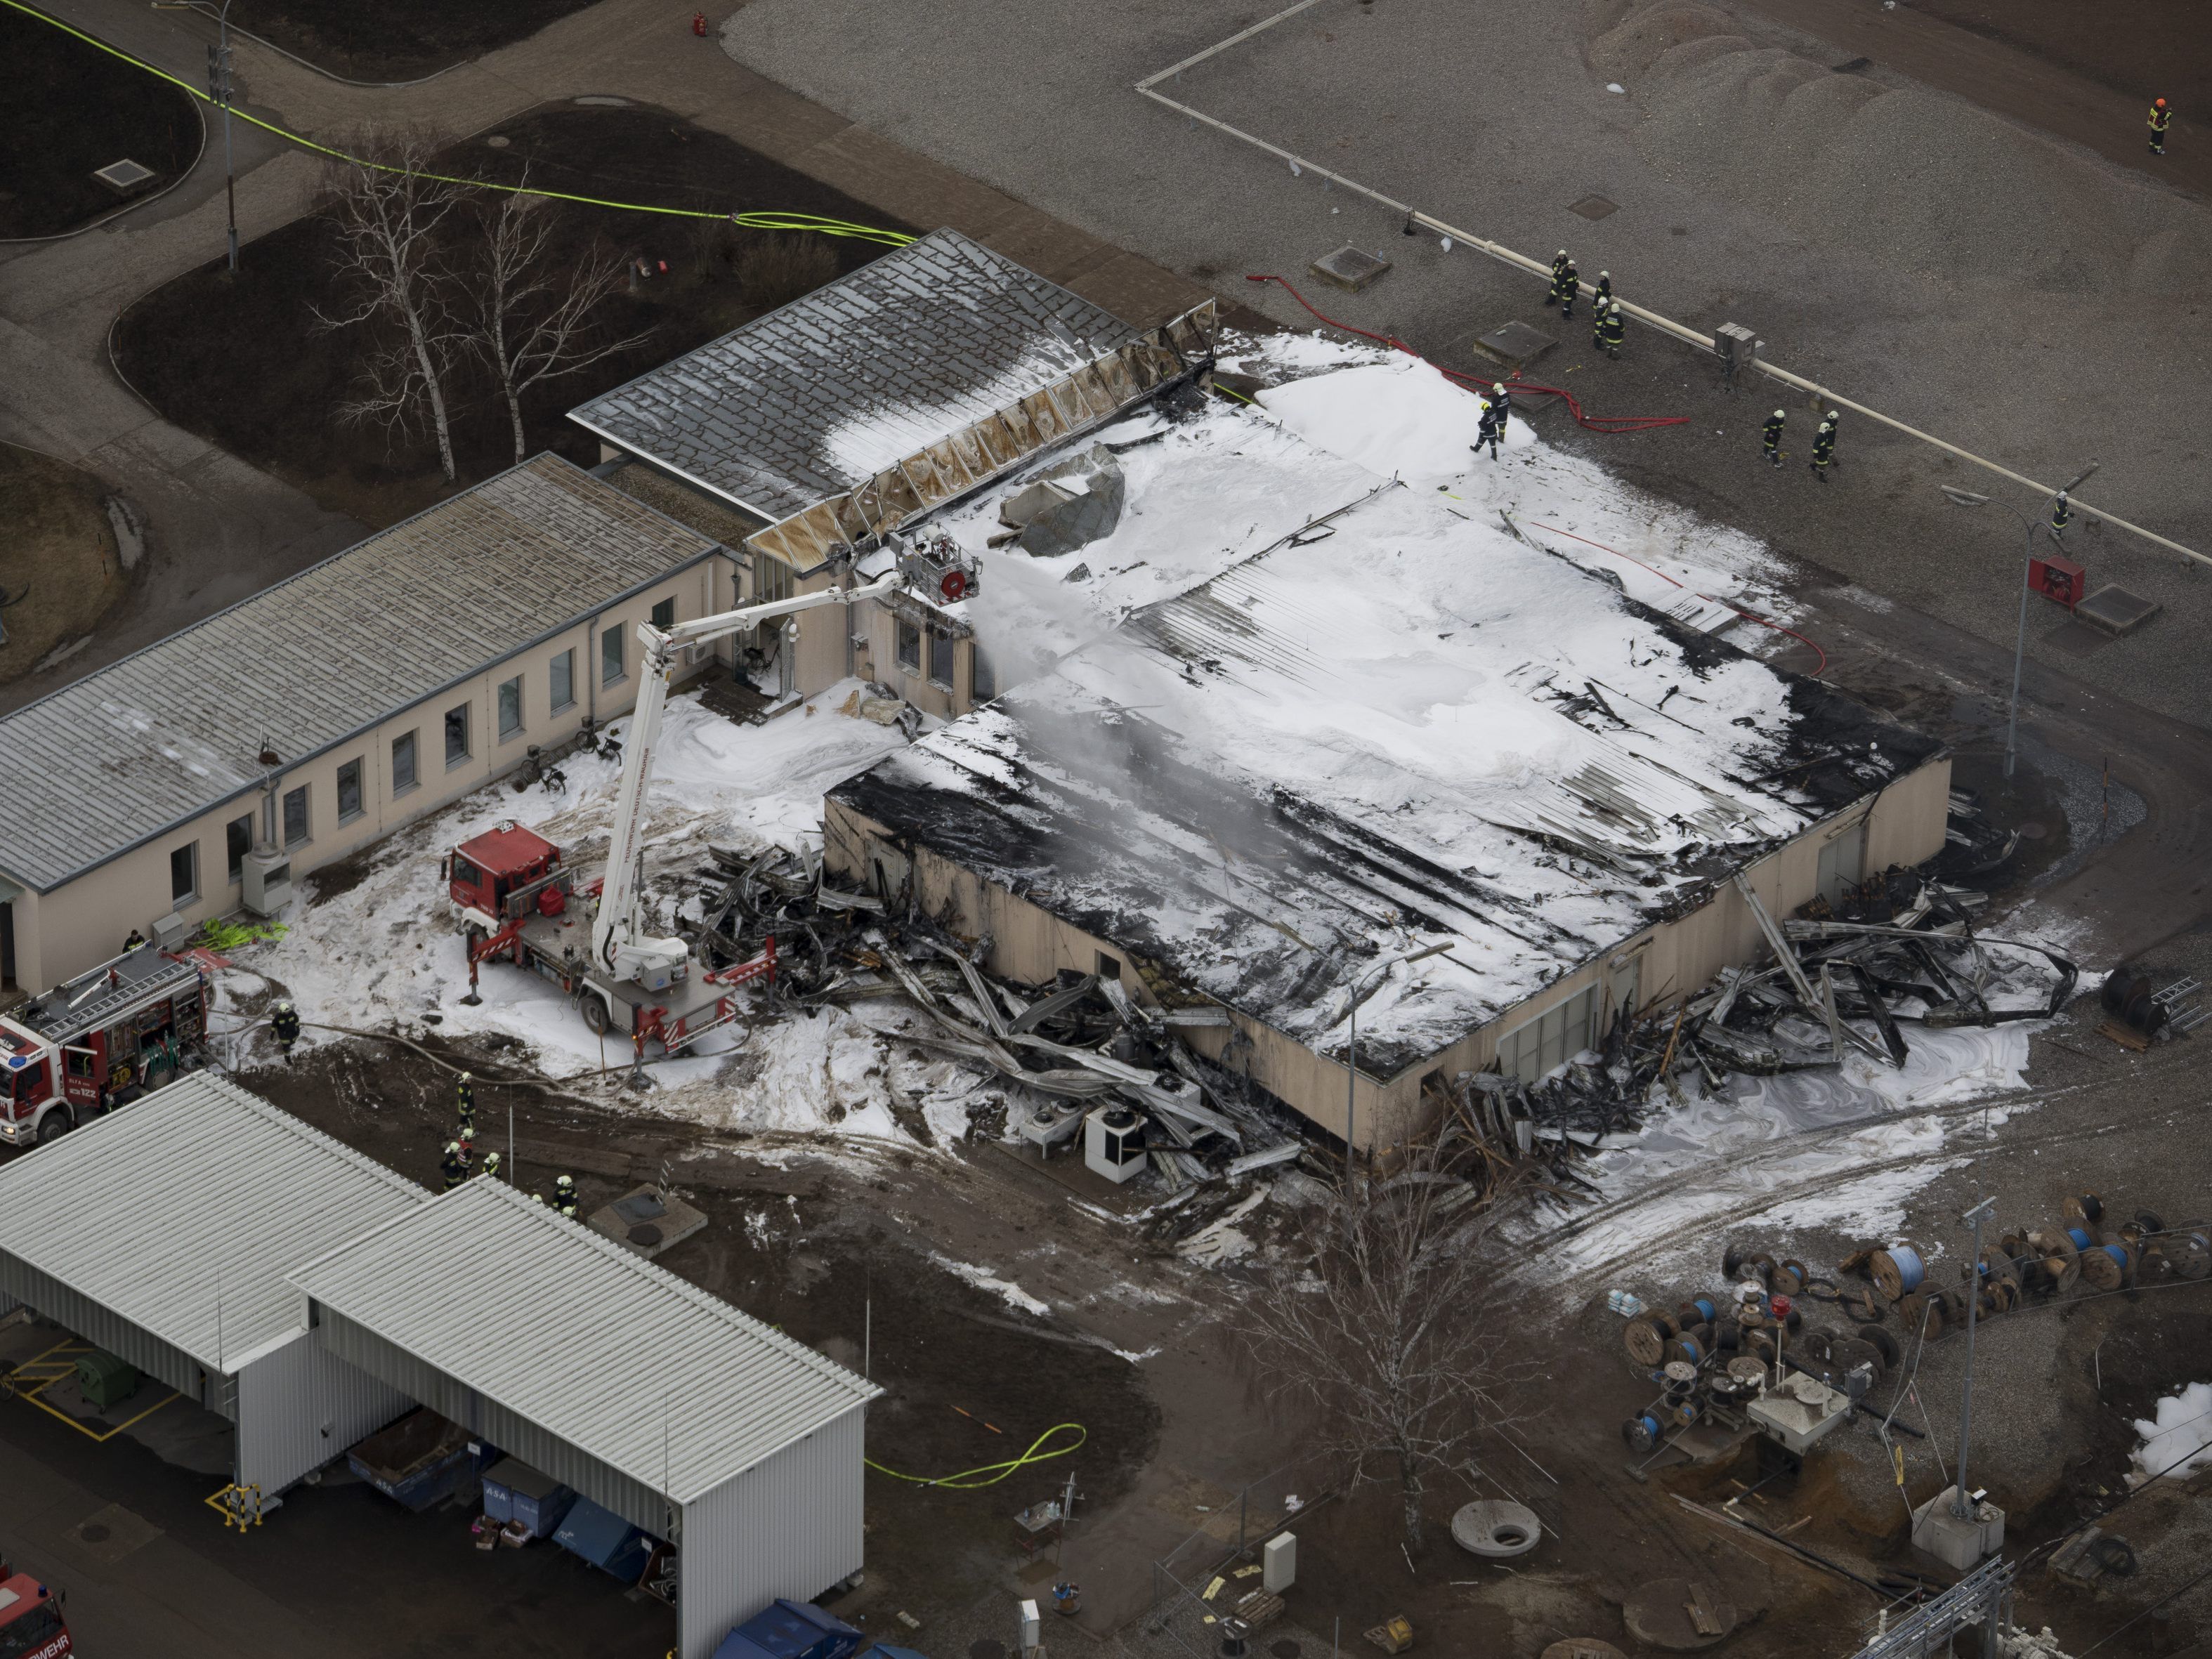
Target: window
(510, 707)
(349, 801)
(403, 763)
(610, 655)
(771, 579)
(941, 648)
(78, 1061)
(561, 680)
(296, 816)
(982, 682)
(909, 647)
(237, 841)
(1549, 1041)
(1110, 968)
(185, 874)
(457, 735)
(663, 614)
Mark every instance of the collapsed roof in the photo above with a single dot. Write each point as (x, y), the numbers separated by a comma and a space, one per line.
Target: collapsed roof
(1324, 742)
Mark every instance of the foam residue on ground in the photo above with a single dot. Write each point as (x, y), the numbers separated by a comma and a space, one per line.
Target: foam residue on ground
(2178, 1441)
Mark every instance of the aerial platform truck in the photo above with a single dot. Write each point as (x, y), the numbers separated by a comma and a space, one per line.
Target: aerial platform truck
(518, 900)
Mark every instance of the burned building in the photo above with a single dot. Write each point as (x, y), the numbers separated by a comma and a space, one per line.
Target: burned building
(1376, 747)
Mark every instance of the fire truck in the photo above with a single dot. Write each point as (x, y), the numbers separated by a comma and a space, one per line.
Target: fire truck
(517, 900)
(31, 1625)
(97, 1040)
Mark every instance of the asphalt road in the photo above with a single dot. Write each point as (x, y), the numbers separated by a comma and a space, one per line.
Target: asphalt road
(2024, 298)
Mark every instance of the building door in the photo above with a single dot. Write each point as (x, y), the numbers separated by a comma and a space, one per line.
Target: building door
(1843, 862)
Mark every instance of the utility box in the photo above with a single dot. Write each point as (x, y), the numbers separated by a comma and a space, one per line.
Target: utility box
(2060, 581)
(1959, 1541)
(1278, 1563)
(1114, 1143)
(265, 879)
(1736, 346)
(105, 1380)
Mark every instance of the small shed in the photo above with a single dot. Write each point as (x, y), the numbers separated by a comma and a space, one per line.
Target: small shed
(162, 1232)
(643, 1394)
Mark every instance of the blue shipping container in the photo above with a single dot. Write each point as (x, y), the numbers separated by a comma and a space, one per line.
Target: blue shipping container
(513, 1490)
(605, 1539)
(792, 1630)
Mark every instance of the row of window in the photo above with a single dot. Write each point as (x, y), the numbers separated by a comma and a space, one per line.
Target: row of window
(983, 683)
(297, 825)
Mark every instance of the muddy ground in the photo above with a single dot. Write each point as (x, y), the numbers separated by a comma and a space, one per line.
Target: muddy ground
(72, 108)
(386, 40)
(245, 364)
(59, 564)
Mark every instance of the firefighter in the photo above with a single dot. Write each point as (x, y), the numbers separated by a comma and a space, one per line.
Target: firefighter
(1611, 331)
(1560, 263)
(490, 1165)
(1835, 422)
(564, 1196)
(1604, 290)
(1487, 432)
(2160, 115)
(466, 1105)
(1504, 401)
(1824, 452)
(1565, 286)
(1772, 436)
(453, 1166)
(2062, 514)
(136, 941)
(284, 1024)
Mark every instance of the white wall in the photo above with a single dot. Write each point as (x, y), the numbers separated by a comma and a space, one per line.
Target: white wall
(299, 1407)
(790, 1526)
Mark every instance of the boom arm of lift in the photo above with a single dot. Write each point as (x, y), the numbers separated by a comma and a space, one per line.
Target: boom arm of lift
(620, 943)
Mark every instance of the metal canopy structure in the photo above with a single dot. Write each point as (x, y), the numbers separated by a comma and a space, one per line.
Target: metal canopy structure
(162, 1232)
(682, 1415)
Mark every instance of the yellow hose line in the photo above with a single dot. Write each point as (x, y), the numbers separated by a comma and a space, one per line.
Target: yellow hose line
(966, 1481)
(812, 222)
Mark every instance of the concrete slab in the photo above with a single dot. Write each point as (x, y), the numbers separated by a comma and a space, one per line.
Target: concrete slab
(1514, 346)
(109, 1534)
(1352, 269)
(2112, 609)
(1962, 1542)
(648, 1220)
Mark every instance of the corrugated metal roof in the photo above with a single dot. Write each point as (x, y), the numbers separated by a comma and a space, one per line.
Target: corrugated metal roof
(816, 398)
(157, 738)
(670, 1386)
(200, 1190)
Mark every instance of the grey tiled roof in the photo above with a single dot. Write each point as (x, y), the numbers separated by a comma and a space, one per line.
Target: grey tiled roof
(153, 741)
(811, 400)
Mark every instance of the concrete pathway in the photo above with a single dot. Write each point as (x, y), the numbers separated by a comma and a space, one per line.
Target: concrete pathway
(220, 530)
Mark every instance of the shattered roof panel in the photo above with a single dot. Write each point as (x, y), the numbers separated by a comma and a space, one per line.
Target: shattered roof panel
(1402, 728)
(816, 398)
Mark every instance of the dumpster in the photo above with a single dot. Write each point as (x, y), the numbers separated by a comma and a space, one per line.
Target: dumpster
(605, 1539)
(513, 1490)
(791, 1630)
(105, 1380)
(417, 1461)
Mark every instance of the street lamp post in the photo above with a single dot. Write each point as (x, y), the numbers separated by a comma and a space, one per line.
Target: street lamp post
(1360, 992)
(219, 90)
(1968, 498)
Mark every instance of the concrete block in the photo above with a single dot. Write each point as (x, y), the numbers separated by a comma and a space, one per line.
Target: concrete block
(1351, 269)
(2112, 609)
(1514, 346)
(1962, 1543)
(645, 1221)
(1278, 1563)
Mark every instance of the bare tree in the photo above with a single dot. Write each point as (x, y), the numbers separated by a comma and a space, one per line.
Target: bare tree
(1374, 1332)
(530, 320)
(388, 216)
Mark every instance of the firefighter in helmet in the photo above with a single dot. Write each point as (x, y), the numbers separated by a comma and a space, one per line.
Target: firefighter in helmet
(284, 1025)
(564, 1196)
(490, 1165)
(464, 1109)
(453, 1166)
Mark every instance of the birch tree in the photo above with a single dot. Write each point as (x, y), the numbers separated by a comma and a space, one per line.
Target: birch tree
(530, 318)
(389, 218)
(1376, 1335)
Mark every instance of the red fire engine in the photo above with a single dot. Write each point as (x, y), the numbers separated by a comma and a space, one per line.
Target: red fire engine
(519, 903)
(31, 1625)
(99, 1040)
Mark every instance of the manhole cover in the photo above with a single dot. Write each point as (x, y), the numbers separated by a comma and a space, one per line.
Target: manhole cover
(499, 141)
(648, 1234)
(1286, 1649)
(1594, 206)
(986, 1649)
(1350, 268)
(92, 1533)
(125, 175)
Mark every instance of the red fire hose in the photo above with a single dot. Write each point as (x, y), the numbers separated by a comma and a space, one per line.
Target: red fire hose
(1594, 423)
